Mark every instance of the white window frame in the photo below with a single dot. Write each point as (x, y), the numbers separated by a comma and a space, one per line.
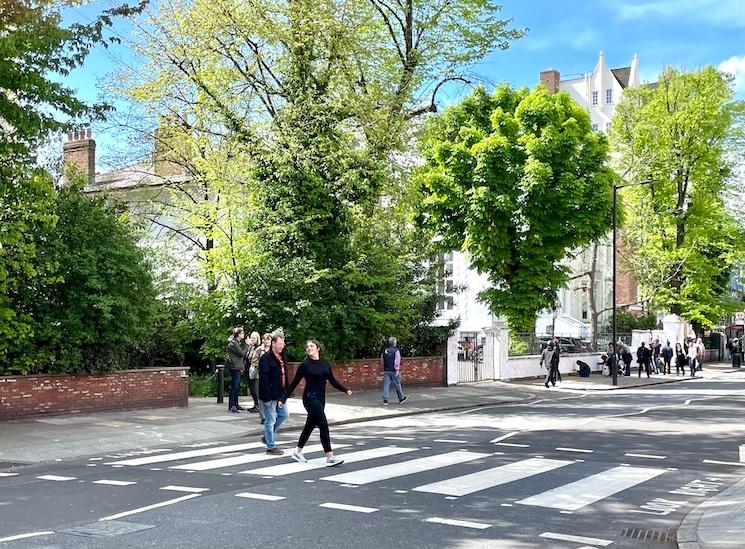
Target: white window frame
(594, 98)
(609, 96)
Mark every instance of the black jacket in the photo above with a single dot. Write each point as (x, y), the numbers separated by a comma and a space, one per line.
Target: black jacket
(643, 355)
(234, 354)
(272, 377)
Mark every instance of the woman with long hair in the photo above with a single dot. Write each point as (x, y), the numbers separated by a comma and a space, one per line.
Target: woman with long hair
(315, 371)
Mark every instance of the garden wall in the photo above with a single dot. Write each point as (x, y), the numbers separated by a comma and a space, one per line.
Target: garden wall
(52, 395)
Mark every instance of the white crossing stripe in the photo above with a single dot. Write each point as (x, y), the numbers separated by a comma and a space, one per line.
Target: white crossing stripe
(8, 474)
(343, 507)
(581, 493)
(578, 450)
(114, 482)
(481, 480)
(265, 497)
(450, 440)
(24, 536)
(188, 489)
(241, 460)
(160, 458)
(404, 468)
(647, 456)
(55, 477)
(463, 523)
(576, 539)
(320, 463)
(513, 445)
(149, 507)
(715, 462)
(508, 435)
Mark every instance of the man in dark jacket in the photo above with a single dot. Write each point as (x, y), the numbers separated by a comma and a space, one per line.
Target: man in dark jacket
(390, 360)
(234, 354)
(272, 385)
(667, 357)
(643, 357)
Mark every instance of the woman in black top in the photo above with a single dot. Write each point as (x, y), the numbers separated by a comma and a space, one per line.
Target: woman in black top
(680, 359)
(316, 372)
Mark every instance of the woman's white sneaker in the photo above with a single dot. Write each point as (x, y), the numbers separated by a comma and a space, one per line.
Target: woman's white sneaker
(333, 460)
(300, 458)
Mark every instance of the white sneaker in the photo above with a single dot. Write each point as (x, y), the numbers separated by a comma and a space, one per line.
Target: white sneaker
(333, 460)
(300, 458)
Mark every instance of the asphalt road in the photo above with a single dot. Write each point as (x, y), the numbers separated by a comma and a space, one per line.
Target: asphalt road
(568, 471)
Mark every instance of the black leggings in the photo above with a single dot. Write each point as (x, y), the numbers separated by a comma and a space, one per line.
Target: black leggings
(252, 388)
(316, 418)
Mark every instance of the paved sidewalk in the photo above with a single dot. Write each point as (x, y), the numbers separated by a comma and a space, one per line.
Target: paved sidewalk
(718, 522)
(68, 437)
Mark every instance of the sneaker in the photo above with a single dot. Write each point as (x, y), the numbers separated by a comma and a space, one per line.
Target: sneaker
(333, 460)
(253, 410)
(300, 458)
(275, 451)
(403, 399)
(262, 421)
(233, 410)
(263, 439)
(241, 408)
(385, 403)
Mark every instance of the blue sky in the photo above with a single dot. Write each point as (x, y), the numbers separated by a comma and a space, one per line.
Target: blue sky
(563, 35)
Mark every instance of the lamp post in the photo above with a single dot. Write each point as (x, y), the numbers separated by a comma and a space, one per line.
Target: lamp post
(554, 315)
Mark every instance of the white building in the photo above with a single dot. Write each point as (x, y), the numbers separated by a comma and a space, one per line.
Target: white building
(598, 92)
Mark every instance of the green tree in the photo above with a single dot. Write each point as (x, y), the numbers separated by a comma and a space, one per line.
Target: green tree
(685, 243)
(516, 179)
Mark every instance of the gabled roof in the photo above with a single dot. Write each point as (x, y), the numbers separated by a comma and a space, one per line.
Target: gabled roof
(622, 75)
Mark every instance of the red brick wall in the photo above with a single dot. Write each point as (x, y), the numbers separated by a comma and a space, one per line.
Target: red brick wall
(48, 395)
(366, 373)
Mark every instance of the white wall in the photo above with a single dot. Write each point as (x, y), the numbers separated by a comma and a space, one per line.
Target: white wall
(520, 367)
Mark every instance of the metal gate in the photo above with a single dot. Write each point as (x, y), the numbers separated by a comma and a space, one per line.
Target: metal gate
(471, 368)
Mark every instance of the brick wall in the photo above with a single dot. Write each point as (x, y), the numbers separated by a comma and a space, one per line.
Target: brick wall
(367, 373)
(47, 395)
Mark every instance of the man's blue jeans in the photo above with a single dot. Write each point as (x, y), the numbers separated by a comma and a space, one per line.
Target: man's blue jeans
(274, 417)
(235, 383)
(389, 377)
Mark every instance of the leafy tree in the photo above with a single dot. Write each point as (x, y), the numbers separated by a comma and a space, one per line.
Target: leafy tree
(516, 179)
(673, 137)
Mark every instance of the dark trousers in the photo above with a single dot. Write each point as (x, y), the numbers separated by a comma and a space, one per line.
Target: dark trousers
(646, 367)
(666, 366)
(235, 383)
(627, 362)
(553, 371)
(252, 389)
(314, 405)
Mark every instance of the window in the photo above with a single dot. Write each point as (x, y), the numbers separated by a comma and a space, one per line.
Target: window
(595, 127)
(594, 98)
(607, 126)
(609, 96)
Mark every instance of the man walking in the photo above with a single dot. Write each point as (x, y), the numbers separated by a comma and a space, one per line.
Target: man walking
(667, 356)
(643, 357)
(625, 352)
(547, 360)
(272, 386)
(234, 355)
(390, 360)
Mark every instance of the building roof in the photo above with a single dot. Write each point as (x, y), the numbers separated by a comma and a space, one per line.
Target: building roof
(622, 75)
(130, 177)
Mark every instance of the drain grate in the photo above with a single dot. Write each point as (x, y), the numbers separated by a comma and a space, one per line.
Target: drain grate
(106, 529)
(647, 535)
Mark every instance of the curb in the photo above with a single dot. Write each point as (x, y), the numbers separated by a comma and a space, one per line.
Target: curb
(687, 533)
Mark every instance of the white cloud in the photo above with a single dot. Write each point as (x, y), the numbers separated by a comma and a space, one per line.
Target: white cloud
(569, 34)
(736, 66)
(729, 13)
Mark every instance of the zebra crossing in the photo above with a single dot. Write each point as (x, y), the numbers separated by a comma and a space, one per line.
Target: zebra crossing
(402, 465)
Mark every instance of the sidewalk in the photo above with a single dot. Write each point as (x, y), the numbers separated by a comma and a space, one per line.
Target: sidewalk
(68, 437)
(717, 523)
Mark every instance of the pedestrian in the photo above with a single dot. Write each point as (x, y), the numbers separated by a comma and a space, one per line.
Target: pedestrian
(680, 359)
(692, 353)
(700, 352)
(730, 348)
(316, 372)
(625, 352)
(655, 346)
(390, 360)
(643, 357)
(263, 347)
(667, 356)
(547, 360)
(234, 355)
(612, 359)
(272, 387)
(556, 359)
(252, 369)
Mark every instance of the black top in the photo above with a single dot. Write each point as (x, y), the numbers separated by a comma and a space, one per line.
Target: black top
(315, 373)
(272, 376)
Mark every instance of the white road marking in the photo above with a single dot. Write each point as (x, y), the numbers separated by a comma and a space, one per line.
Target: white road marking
(24, 536)
(449, 440)
(264, 497)
(56, 478)
(508, 435)
(320, 463)
(489, 478)
(8, 474)
(578, 450)
(463, 523)
(353, 437)
(160, 458)
(581, 493)
(742, 452)
(513, 445)
(354, 508)
(398, 438)
(95, 459)
(149, 507)
(647, 456)
(576, 539)
(242, 459)
(723, 462)
(114, 482)
(404, 468)
(188, 489)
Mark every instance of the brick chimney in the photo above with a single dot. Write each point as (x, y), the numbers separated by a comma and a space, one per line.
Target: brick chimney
(80, 153)
(550, 79)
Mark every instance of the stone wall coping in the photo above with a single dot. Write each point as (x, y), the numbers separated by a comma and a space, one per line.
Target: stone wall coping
(97, 374)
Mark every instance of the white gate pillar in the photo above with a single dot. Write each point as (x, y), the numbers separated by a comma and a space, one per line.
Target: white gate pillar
(495, 350)
(451, 360)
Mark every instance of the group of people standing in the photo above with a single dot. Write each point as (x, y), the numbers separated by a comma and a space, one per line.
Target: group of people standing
(265, 362)
(655, 358)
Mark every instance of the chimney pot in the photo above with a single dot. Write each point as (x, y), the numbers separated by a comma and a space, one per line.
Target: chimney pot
(80, 153)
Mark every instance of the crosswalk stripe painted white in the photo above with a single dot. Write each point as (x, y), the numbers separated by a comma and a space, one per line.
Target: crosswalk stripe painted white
(114, 482)
(241, 460)
(149, 507)
(647, 456)
(512, 445)
(577, 450)
(576, 539)
(463, 523)
(450, 440)
(320, 463)
(55, 478)
(265, 497)
(28, 535)
(8, 474)
(404, 468)
(161, 458)
(503, 437)
(581, 493)
(188, 489)
(344, 507)
(481, 480)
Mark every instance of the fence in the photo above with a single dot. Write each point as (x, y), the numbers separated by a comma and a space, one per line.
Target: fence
(523, 344)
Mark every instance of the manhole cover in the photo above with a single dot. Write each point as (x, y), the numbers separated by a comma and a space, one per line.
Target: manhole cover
(106, 529)
(647, 535)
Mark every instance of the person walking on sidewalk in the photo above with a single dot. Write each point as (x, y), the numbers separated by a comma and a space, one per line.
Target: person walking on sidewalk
(643, 357)
(680, 359)
(557, 359)
(692, 353)
(252, 373)
(625, 352)
(390, 360)
(547, 360)
(234, 355)
(700, 352)
(667, 356)
(263, 347)
(272, 387)
(316, 372)
(655, 352)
